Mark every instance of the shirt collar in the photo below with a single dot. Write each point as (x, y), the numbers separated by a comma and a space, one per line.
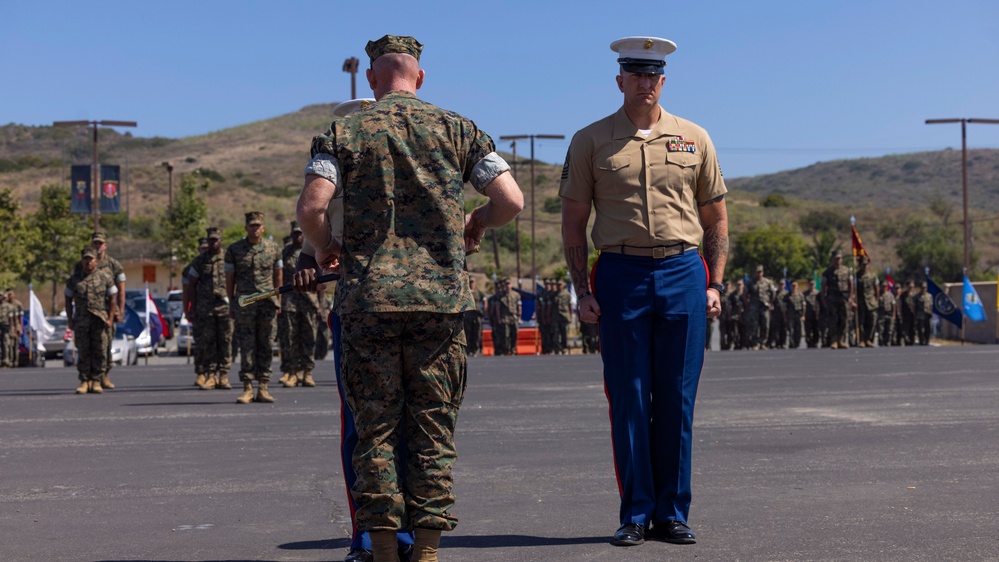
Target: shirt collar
(666, 126)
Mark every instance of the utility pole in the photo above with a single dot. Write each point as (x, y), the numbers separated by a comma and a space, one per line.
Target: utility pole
(169, 169)
(350, 65)
(95, 169)
(534, 209)
(964, 176)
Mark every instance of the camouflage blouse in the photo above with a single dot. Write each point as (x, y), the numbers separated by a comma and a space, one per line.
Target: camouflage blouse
(404, 163)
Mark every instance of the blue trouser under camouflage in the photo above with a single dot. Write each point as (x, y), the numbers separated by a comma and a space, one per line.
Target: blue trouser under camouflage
(255, 327)
(404, 374)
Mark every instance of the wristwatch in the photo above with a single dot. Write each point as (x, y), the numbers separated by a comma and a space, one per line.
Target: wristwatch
(718, 287)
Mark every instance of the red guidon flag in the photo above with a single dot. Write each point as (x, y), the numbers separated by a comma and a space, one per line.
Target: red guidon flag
(858, 246)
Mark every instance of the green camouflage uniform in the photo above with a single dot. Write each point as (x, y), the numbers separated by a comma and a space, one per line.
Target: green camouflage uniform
(7, 334)
(543, 314)
(561, 318)
(836, 283)
(923, 308)
(117, 275)
(211, 313)
(886, 319)
(758, 311)
(403, 164)
(507, 305)
(811, 297)
(736, 314)
(795, 304)
(300, 319)
(90, 295)
(867, 305)
(253, 266)
(473, 323)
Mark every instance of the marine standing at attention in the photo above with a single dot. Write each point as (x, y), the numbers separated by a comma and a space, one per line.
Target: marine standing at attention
(654, 182)
(401, 165)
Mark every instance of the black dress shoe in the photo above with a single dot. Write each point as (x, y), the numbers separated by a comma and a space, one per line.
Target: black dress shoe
(676, 532)
(359, 555)
(630, 534)
(405, 553)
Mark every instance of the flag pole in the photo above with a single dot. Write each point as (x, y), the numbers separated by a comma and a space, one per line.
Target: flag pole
(964, 315)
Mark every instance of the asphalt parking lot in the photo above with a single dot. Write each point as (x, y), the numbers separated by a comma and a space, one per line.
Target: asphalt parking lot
(862, 454)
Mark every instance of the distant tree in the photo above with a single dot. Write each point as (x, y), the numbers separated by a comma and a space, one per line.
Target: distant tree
(823, 245)
(775, 200)
(552, 205)
(56, 236)
(184, 221)
(935, 246)
(774, 246)
(14, 243)
(814, 222)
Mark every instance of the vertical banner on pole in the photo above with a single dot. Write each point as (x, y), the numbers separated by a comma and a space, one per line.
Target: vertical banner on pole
(80, 190)
(110, 192)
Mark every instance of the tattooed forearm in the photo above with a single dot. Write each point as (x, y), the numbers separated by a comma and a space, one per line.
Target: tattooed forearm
(716, 249)
(710, 201)
(576, 257)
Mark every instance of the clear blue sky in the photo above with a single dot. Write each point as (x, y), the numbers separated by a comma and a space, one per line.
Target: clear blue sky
(778, 84)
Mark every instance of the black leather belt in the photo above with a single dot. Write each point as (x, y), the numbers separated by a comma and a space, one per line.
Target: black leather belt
(657, 252)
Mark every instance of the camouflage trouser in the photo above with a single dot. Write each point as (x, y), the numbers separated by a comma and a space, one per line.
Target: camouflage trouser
(545, 333)
(473, 330)
(404, 375)
(794, 329)
(7, 357)
(886, 331)
(838, 316)
(255, 326)
(759, 325)
(198, 347)
(866, 319)
(214, 342)
(560, 335)
(811, 329)
(298, 340)
(509, 337)
(922, 327)
(90, 335)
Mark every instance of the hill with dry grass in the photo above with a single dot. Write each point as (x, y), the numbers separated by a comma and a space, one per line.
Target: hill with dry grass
(258, 166)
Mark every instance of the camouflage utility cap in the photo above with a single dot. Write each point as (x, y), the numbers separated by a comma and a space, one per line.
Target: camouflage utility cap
(254, 217)
(214, 232)
(295, 228)
(88, 253)
(99, 237)
(394, 44)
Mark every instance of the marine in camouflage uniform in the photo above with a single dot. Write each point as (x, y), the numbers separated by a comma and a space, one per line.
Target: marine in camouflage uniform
(778, 318)
(508, 311)
(590, 334)
(98, 241)
(867, 302)
(11, 319)
(795, 314)
(253, 265)
(209, 314)
(300, 317)
(922, 304)
(837, 288)
(561, 314)
(907, 304)
(91, 304)
(758, 309)
(887, 310)
(812, 315)
(403, 289)
(187, 301)
(493, 308)
(473, 319)
(737, 311)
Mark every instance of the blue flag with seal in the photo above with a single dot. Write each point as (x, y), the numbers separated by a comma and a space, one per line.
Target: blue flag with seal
(973, 308)
(943, 306)
(110, 194)
(80, 191)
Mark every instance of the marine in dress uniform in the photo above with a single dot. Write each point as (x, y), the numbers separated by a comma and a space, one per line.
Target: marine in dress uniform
(654, 183)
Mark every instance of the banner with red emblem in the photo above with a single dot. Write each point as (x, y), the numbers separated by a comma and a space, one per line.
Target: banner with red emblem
(110, 192)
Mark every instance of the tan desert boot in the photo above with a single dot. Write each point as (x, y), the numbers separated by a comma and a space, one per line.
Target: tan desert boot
(209, 384)
(307, 380)
(247, 395)
(284, 378)
(83, 388)
(200, 381)
(223, 382)
(292, 380)
(96, 387)
(106, 382)
(262, 394)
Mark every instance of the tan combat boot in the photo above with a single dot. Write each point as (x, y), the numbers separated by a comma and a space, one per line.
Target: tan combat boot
(307, 380)
(247, 395)
(223, 382)
(200, 381)
(262, 394)
(209, 383)
(425, 543)
(96, 387)
(284, 378)
(384, 545)
(83, 388)
(292, 380)
(106, 382)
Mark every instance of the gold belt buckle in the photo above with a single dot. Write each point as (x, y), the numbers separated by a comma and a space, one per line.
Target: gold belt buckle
(659, 252)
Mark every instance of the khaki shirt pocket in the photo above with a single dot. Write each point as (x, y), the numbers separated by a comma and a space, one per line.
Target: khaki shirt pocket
(614, 177)
(681, 170)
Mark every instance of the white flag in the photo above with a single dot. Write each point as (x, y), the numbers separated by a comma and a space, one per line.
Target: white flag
(39, 324)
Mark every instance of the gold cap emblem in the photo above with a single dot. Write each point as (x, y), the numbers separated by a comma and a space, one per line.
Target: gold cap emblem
(648, 44)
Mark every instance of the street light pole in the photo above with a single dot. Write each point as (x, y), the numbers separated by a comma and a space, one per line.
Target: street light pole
(95, 169)
(534, 210)
(964, 176)
(169, 169)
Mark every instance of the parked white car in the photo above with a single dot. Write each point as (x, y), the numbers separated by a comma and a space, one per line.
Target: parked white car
(123, 351)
